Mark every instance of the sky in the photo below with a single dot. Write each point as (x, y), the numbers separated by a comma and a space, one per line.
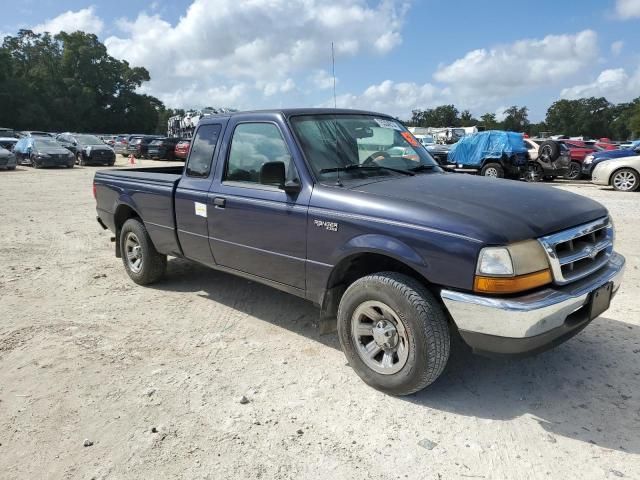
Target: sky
(391, 56)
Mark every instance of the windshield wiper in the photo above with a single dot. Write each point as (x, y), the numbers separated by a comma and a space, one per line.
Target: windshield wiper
(359, 166)
(422, 168)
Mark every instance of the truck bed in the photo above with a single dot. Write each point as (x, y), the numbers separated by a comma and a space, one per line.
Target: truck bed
(149, 192)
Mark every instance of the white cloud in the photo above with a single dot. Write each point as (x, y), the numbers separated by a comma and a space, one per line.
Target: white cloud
(616, 48)
(484, 74)
(220, 43)
(614, 84)
(395, 98)
(84, 20)
(321, 79)
(626, 9)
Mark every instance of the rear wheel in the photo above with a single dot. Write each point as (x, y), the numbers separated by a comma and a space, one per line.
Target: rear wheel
(494, 170)
(143, 263)
(574, 171)
(393, 332)
(625, 180)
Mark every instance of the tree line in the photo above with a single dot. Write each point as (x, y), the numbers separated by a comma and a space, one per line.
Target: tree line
(68, 82)
(592, 117)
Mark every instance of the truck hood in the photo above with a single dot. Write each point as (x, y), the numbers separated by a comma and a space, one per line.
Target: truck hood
(493, 211)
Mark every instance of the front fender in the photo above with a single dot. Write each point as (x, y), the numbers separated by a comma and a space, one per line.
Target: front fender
(380, 244)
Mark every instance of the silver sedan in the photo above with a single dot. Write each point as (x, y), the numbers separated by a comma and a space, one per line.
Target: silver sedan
(623, 174)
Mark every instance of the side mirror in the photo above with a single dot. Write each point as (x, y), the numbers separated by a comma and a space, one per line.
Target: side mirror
(274, 173)
(74, 143)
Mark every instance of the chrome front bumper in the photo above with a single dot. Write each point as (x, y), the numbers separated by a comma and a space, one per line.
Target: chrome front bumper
(537, 319)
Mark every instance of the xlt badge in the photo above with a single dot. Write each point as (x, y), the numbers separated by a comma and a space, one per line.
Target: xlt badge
(331, 226)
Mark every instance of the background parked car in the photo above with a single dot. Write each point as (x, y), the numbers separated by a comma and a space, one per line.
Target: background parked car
(7, 159)
(8, 143)
(42, 152)
(120, 145)
(8, 132)
(594, 159)
(139, 146)
(578, 151)
(493, 153)
(163, 148)
(182, 149)
(440, 153)
(87, 149)
(623, 174)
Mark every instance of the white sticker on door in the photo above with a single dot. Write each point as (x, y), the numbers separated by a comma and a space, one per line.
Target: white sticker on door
(201, 209)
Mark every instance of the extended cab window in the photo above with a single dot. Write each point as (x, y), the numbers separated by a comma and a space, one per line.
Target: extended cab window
(202, 149)
(253, 145)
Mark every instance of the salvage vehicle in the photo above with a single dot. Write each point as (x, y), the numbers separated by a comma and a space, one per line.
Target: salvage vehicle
(492, 153)
(182, 149)
(7, 159)
(594, 159)
(162, 148)
(623, 174)
(578, 152)
(87, 149)
(42, 152)
(311, 202)
(547, 160)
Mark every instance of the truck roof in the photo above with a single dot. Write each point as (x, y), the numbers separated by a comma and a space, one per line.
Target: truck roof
(292, 112)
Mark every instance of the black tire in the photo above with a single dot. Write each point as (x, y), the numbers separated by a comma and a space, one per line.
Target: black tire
(533, 173)
(152, 265)
(625, 180)
(492, 169)
(548, 178)
(13, 167)
(71, 165)
(124, 155)
(424, 325)
(549, 151)
(575, 171)
(34, 164)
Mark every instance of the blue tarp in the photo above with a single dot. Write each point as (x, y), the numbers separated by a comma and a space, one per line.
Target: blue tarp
(473, 149)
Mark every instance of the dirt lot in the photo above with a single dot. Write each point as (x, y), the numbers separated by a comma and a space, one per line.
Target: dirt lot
(153, 376)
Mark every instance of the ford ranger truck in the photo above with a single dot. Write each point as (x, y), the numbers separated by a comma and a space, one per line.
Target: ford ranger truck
(348, 210)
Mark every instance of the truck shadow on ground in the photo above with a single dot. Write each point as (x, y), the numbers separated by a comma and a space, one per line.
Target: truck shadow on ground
(587, 389)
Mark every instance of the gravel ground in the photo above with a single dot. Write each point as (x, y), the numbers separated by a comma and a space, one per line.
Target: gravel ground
(101, 378)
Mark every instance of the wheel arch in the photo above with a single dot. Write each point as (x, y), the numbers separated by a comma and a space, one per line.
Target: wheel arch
(123, 213)
(361, 263)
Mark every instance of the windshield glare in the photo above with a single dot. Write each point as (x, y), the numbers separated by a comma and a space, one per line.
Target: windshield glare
(44, 143)
(333, 142)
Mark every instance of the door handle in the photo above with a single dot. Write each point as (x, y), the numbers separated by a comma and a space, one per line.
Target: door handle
(220, 202)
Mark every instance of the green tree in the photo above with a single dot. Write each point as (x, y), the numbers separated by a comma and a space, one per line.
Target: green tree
(489, 121)
(516, 119)
(70, 82)
(467, 119)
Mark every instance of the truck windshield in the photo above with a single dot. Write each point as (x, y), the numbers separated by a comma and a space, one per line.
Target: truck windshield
(359, 146)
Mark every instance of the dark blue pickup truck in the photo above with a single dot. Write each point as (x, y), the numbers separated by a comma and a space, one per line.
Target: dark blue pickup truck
(346, 209)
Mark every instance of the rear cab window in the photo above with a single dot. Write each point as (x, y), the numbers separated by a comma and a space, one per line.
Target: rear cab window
(202, 150)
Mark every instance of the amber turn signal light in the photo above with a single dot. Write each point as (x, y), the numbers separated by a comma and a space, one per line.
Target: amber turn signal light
(516, 284)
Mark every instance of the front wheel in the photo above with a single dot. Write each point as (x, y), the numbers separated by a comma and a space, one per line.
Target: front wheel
(574, 171)
(34, 164)
(143, 263)
(493, 170)
(625, 180)
(393, 332)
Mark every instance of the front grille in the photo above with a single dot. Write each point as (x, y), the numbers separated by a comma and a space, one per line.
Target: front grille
(579, 251)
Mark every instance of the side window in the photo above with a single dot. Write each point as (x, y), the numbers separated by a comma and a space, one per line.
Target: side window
(202, 148)
(253, 145)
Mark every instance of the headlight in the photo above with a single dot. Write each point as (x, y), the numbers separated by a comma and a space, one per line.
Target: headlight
(588, 159)
(88, 150)
(514, 268)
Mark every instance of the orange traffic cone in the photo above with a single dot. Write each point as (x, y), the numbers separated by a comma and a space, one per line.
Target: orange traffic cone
(132, 160)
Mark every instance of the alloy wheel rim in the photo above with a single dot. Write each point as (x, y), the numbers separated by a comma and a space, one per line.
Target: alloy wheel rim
(133, 252)
(380, 337)
(624, 181)
(491, 172)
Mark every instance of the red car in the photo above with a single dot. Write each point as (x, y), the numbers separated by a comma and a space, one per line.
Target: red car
(182, 149)
(606, 144)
